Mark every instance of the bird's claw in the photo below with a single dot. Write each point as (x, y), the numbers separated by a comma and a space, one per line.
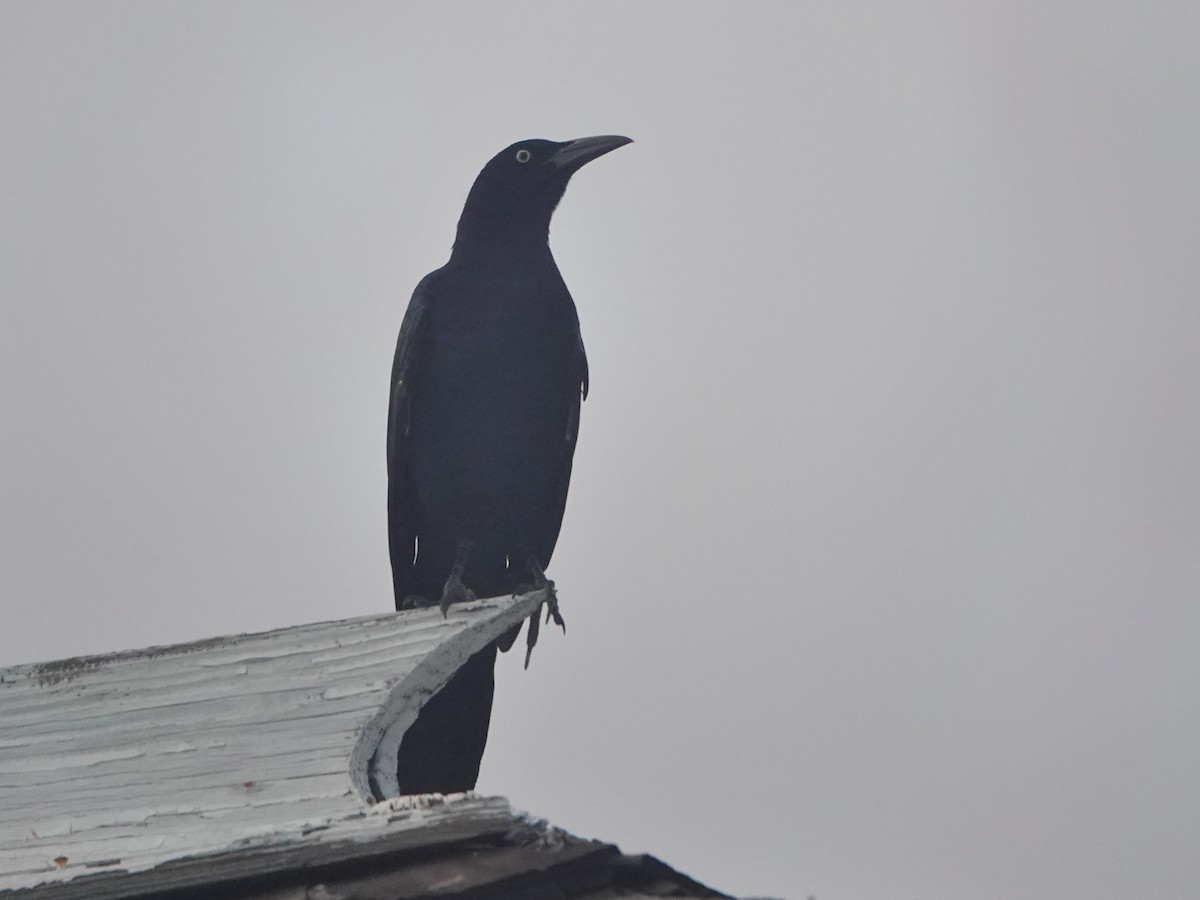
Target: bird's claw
(552, 612)
(455, 592)
(551, 601)
(531, 636)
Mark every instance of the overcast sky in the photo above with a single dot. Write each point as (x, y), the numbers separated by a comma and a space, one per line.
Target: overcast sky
(882, 556)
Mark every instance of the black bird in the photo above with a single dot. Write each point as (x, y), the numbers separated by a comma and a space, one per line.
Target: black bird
(487, 383)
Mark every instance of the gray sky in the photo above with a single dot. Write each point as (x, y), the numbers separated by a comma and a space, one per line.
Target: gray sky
(882, 555)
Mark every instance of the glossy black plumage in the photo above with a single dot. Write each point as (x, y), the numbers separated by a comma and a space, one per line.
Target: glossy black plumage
(487, 383)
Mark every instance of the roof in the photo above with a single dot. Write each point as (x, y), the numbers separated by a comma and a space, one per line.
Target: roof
(255, 762)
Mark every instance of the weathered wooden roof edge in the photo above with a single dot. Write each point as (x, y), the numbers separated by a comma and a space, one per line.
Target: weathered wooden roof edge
(242, 767)
(127, 760)
(466, 846)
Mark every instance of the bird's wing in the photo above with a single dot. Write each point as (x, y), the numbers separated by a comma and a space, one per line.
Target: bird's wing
(570, 436)
(405, 368)
(583, 383)
(569, 440)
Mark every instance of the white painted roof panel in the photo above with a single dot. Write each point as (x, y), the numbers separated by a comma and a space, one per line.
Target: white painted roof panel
(126, 761)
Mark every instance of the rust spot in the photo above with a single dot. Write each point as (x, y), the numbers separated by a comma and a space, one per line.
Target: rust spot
(60, 861)
(248, 784)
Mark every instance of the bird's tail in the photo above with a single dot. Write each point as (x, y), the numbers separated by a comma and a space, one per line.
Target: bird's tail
(441, 751)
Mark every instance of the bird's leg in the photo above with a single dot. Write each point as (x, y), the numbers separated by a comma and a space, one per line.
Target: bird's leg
(455, 591)
(540, 582)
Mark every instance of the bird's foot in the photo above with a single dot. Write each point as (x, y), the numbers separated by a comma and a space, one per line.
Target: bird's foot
(541, 583)
(552, 610)
(415, 601)
(455, 592)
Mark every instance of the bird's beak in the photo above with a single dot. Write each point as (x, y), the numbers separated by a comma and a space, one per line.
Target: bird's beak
(579, 152)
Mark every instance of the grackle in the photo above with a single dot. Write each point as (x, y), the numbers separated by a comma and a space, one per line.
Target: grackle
(487, 383)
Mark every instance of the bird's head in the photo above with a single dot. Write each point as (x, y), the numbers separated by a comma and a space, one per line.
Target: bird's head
(516, 193)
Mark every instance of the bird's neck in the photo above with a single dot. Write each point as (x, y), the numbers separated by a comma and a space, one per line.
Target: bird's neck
(492, 220)
(502, 243)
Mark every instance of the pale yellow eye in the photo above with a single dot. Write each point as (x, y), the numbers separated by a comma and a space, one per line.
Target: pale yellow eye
(523, 155)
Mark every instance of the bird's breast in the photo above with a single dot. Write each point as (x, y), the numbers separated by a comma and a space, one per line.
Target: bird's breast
(501, 363)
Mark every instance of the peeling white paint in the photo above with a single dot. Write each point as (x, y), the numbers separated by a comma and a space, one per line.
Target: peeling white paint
(129, 760)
